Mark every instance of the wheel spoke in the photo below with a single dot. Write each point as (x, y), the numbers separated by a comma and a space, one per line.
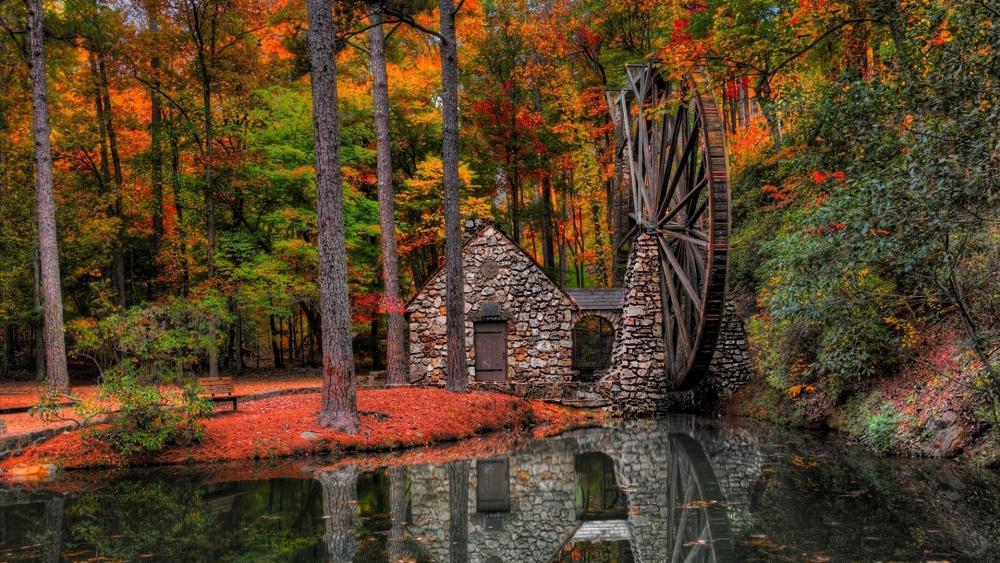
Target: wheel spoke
(696, 240)
(675, 301)
(682, 276)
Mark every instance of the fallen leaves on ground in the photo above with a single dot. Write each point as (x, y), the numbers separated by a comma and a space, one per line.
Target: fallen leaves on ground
(273, 428)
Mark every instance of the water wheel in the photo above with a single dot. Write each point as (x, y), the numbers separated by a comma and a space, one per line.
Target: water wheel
(673, 155)
(697, 519)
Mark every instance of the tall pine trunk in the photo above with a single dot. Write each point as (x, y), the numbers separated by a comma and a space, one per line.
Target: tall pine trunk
(340, 507)
(209, 178)
(48, 243)
(458, 510)
(155, 134)
(395, 362)
(339, 407)
(116, 162)
(457, 364)
(398, 477)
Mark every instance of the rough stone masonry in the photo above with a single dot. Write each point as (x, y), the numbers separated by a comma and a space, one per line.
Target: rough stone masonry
(504, 283)
(636, 384)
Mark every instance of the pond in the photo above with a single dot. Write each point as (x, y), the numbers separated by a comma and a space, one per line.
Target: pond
(678, 489)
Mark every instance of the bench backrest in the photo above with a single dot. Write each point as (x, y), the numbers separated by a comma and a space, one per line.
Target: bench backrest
(217, 385)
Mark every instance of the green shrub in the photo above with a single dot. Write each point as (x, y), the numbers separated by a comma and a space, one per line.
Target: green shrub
(880, 429)
(148, 419)
(146, 355)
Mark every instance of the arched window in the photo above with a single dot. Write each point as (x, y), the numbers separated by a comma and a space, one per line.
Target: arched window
(593, 338)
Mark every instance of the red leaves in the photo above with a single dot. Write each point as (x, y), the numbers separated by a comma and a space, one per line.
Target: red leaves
(273, 427)
(680, 33)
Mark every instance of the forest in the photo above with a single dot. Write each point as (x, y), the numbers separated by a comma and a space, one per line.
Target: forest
(183, 227)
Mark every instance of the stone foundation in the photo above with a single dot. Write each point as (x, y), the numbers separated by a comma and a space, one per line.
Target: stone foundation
(635, 382)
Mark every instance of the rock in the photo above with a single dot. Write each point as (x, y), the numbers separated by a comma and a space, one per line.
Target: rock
(37, 472)
(309, 435)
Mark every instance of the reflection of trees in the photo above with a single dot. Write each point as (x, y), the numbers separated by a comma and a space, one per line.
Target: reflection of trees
(398, 477)
(599, 497)
(458, 504)
(131, 520)
(340, 511)
(54, 508)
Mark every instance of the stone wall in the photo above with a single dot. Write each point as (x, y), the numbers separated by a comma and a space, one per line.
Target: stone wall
(539, 315)
(730, 368)
(718, 472)
(635, 381)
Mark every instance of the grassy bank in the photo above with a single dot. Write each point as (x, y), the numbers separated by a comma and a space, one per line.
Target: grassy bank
(930, 407)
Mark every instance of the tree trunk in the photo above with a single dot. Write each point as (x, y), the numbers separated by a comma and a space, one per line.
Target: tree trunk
(275, 345)
(208, 170)
(458, 505)
(175, 185)
(548, 249)
(156, 145)
(340, 500)
(48, 242)
(339, 407)
(397, 514)
(52, 517)
(395, 363)
(8, 348)
(105, 162)
(458, 374)
(116, 165)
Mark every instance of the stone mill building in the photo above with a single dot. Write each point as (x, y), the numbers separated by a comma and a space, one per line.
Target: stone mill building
(524, 334)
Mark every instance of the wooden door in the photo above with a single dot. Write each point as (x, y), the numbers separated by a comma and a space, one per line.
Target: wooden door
(491, 351)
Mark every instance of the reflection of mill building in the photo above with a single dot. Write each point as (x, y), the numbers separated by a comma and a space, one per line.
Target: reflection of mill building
(608, 496)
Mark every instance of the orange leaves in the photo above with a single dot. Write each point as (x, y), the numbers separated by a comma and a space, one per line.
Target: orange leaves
(780, 196)
(749, 140)
(796, 390)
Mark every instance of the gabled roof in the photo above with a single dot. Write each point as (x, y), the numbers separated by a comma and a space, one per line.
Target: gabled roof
(598, 298)
(473, 230)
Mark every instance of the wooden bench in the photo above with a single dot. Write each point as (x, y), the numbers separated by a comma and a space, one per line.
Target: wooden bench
(218, 389)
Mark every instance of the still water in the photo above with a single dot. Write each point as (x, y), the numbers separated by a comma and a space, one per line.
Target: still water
(679, 489)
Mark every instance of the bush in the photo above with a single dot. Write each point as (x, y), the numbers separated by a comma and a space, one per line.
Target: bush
(149, 420)
(146, 355)
(880, 429)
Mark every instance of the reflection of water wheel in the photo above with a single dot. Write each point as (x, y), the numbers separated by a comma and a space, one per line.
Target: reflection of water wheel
(698, 516)
(674, 149)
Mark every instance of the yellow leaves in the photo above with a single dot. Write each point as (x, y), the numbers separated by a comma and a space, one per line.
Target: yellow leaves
(799, 461)
(906, 330)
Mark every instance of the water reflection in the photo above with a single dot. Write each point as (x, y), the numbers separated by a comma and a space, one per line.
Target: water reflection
(670, 490)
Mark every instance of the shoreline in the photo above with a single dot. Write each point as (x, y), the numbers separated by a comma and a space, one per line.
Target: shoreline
(284, 427)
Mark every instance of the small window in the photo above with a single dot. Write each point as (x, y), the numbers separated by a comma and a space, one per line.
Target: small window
(593, 338)
(492, 485)
(598, 495)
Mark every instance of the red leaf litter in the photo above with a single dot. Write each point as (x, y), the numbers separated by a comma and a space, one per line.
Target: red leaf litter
(273, 428)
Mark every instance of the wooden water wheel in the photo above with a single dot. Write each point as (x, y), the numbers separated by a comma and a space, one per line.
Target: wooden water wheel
(697, 519)
(673, 155)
